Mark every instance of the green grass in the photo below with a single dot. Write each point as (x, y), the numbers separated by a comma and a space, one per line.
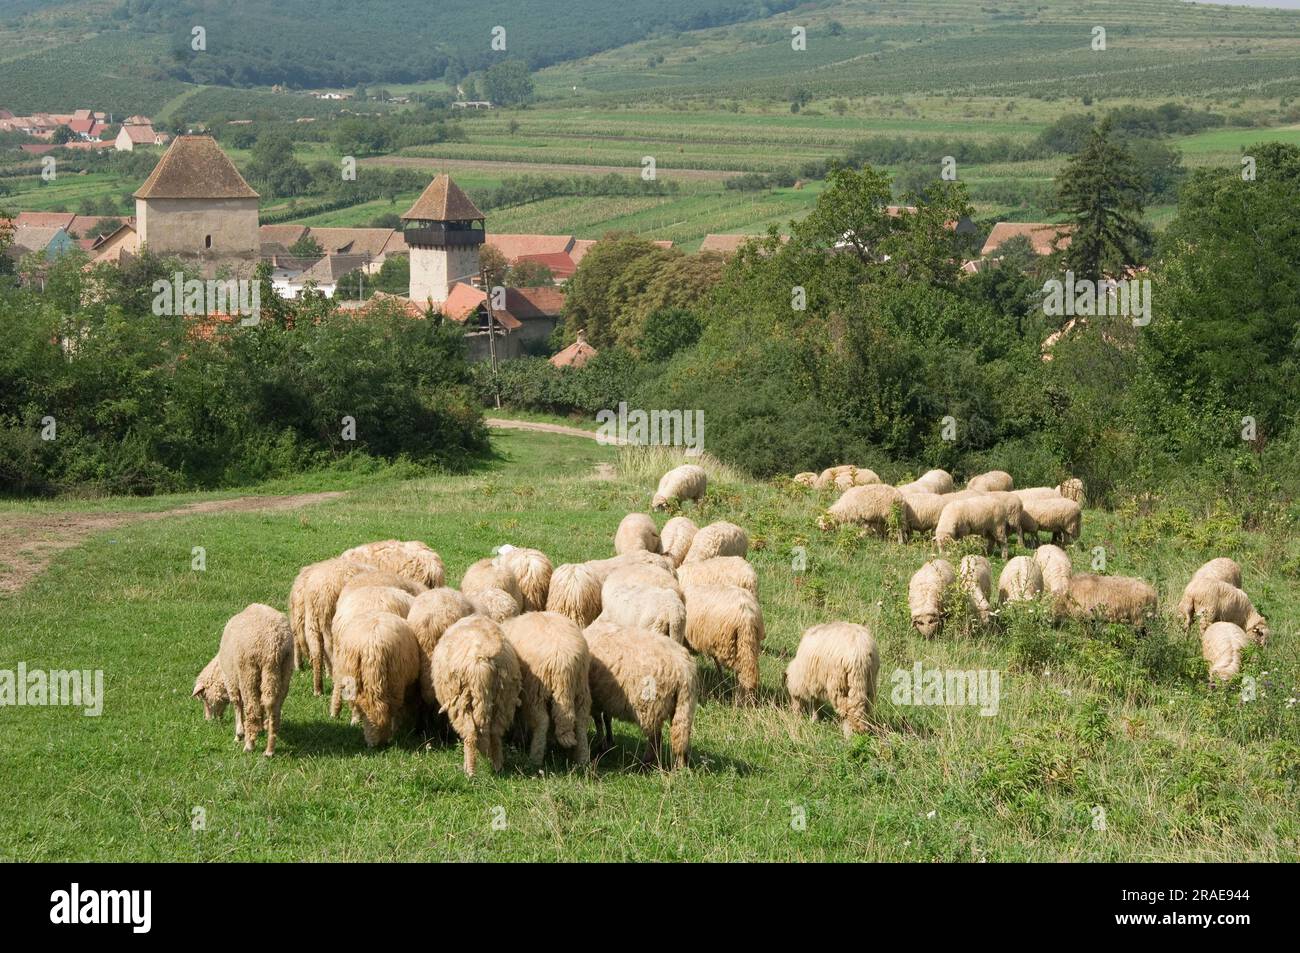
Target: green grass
(1087, 719)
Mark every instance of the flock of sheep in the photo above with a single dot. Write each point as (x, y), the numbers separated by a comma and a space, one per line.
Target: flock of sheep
(551, 650)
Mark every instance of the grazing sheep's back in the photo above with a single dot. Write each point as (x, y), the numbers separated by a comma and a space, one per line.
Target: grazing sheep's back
(640, 574)
(939, 481)
(636, 531)
(719, 571)
(488, 574)
(1223, 569)
(1057, 515)
(1110, 598)
(659, 610)
(554, 668)
(687, 482)
(255, 660)
(1021, 580)
(726, 624)
(1072, 489)
(1037, 493)
(836, 662)
(976, 576)
(973, 516)
(575, 592)
(718, 539)
(477, 683)
(675, 539)
(532, 570)
(377, 658)
(925, 595)
(410, 559)
(1221, 646)
(992, 480)
(1056, 568)
(432, 613)
(1210, 600)
(366, 599)
(385, 577)
(312, 601)
(805, 479)
(922, 509)
(497, 604)
(870, 506)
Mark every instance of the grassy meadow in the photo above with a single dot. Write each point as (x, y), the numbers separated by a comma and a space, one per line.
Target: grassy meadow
(1105, 745)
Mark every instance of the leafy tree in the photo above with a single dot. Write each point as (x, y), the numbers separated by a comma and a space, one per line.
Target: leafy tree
(531, 274)
(62, 134)
(492, 266)
(274, 167)
(590, 303)
(508, 83)
(1102, 189)
(306, 247)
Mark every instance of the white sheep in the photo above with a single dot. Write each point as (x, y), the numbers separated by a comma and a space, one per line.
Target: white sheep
(532, 570)
(1072, 489)
(360, 600)
(675, 538)
(805, 479)
(1021, 580)
(719, 571)
(992, 480)
(497, 604)
(554, 669)
(725, 623)
(477, 680)
(927, 593)
(870, 506)
(575, 592)
(1108, 598)
(603, 567)
(1019, 520)
(973, 516)
(431, 615)
(1223, 569)
(1038, 493)
(312, 600)
(252, 669)
(1056, 568)
(489, 574)
(640, 574)
(377, 670)
(641, 677)
(1209, 600)
(1221, 645)
(410, 559)
(922, 509)
(638, 606)
(385, 577)
(636, 531)
(937, 481)
(687, 482)
(1057, 515)
(836, 663)
(718, 539)
(844, 476)
(976, 578)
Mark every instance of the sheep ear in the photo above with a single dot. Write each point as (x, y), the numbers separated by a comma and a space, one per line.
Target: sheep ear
(198, 690)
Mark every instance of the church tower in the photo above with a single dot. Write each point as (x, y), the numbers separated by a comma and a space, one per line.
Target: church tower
(443, 230)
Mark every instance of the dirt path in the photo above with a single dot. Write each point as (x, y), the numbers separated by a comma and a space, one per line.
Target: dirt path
(28, 544)
(501, 165)
(502, 424)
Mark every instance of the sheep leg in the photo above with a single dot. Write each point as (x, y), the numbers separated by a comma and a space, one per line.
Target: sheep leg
(540, 723)
(336, 698)
(654, 738)
(496, 753)
(238, 704)
(609, 730)
(272, 728)
(582, 750)
(471, 753)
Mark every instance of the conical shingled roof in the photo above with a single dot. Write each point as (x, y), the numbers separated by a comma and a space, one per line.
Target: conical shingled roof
(194, 167)
(443, 201)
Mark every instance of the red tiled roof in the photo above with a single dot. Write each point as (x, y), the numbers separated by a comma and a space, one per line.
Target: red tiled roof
(527, 303)
(443, 201)
(514, 246)
(575, 355)
(44, 219)
(559, 262)
(1045, 237)
(140, 135)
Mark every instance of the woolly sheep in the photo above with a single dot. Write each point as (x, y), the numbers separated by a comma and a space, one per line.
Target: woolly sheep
(488, 574)
(973, 516)
(377, 669)
(922, 510)
(926, 594)
(805, 479)
(312, 600)
(976, 576)
(532, 570)
(554, 667)
(477, 681)
(497, 604)
(841, 477)
(1057, 515)
(575, 592)
(1019, 520)
(687, 482)
(367, 599)
(1109, 598)
(659, 610)
(870, 506)
(1021, 580)
(636, 531)
(719, 571)
(431, 614)
(718, 539)
(385, 577)
(1221, 646)
(252, 669)
(1056, 568)
(675, 538)
(1072, 489)
(726, 624)
(603, 567)
(940, 481)
(410, 559)
(1222, 569)
(1038, 493)
(836, 663)
(993, 480)
(641, 677)
(652, 577)
(1209, 600)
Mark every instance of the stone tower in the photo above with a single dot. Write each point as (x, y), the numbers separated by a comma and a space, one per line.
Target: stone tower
(196, 204)
(443, 230)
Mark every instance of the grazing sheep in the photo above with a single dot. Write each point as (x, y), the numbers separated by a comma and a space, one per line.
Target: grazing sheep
(488, 574)
(726, 624)
(477, 681)
(603, 567)
(687, 482)
(497, 604)
(252, 668)
(926, 593)
(643, 678)
(532, 570)
(840, 477)
(719, 571)
(675, 539)
(973, 516)
(384, 577)
(1019, 521)
(1038, 493)
(1072, 489)
(377, 669)
(366, 599)
(1056, 568)
(637, 574)
(1210, 600)
(805, 479)
(312, 600)
(1221, 646)
(659, 610)
(636, 531)
(431, 614)
(870, 506)
(976, 577)
(922, 509)
(836, 663)
(718, 539)
(410, 559)
(554, 667)
(939, 481)
(1021, 581)
(1223, 569)
(1109, 598)
(575, 592)
(993, 480)
(1057, 515)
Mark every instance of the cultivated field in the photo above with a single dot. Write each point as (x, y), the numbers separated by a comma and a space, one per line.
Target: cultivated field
(1092, 724)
